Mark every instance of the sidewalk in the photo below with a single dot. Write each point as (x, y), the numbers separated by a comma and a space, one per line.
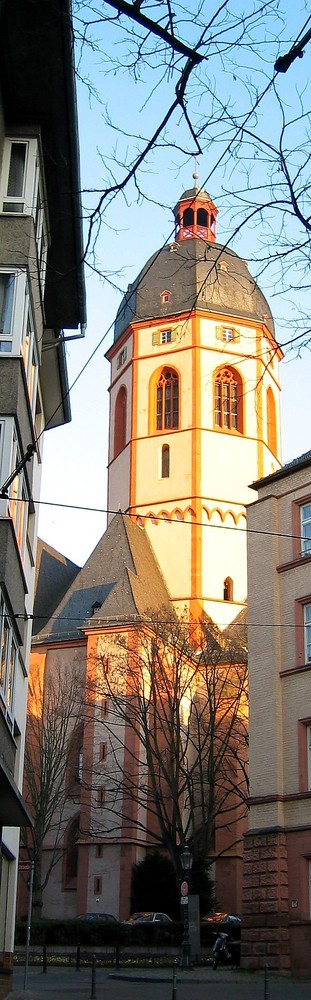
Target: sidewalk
(197, 984)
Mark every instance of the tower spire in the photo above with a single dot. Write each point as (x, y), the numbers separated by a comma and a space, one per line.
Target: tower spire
(195, 175)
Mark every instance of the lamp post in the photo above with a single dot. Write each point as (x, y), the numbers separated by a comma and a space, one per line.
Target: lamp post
(186, 863)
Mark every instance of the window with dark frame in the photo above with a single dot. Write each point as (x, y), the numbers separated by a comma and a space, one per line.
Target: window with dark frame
(228, 400)
(167, 400)
(165, 462)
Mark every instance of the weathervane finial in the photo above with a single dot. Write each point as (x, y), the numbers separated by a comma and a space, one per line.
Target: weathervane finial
(195, 175)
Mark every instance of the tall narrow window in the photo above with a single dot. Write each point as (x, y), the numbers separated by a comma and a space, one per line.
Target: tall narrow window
(305, 520)
(271, 421)
(188, 217)
(15, 187)
(6, 307)
(100, 796)
(228, 589)
(120, 421)
(307, 632)
(165, 464)
(202, 217)
(71, 857)
(167, 395)
(228, 400)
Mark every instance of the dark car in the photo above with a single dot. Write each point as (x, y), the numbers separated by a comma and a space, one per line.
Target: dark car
(105, 917)
(149, 926)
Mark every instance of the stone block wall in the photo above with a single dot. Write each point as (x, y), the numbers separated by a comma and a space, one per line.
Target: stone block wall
(265, 931)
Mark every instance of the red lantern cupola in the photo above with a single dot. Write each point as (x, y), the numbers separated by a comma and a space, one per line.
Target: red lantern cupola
(195, 215)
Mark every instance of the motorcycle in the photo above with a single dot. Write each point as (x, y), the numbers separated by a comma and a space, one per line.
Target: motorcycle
(225, 952)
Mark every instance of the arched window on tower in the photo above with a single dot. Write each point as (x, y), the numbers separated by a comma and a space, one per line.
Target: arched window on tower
(120, 422)
(271, 421)
(228, 400)
(165, 461)
(188, 217)
(71, 854)
(202, 217)
(228, 589)
(167, 400)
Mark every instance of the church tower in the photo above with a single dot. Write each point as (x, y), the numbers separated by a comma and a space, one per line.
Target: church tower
(194, 409)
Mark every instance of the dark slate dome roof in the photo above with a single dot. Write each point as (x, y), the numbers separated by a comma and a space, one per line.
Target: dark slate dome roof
(190, 270)
(193, 193)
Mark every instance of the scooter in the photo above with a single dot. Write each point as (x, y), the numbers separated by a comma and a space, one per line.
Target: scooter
(222, 952)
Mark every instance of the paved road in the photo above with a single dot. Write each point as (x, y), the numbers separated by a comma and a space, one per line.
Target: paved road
(201, 984)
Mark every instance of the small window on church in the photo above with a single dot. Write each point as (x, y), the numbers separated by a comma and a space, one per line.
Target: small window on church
(228, 589)
(165, 297)
(166, 337)
(228, 334)
(120, 422)
(165, 464)
(121, 359)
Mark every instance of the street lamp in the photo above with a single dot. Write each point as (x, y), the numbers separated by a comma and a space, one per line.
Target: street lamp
(186, 864)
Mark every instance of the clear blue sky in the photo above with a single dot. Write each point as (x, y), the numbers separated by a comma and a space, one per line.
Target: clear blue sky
(75, 456)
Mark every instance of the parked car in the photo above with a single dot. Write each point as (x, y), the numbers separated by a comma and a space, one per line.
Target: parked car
(148, 917)
(98, 916)
(149, 927)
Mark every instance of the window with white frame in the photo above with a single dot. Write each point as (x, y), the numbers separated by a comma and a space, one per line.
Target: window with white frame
(16, 506)
(18, 497)
(307, 632)
(227, 333)
(17, 331)
(7, 284)
(22, 189)
(305, 522)
(166, 337)
(8, 659)
(29, 351)
(20, 175)
(160, 337)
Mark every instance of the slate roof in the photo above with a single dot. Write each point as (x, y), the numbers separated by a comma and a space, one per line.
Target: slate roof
(236, 633)
(120, 582)
(193, 193)
(302, 462)
(54, 574)
(190, 271)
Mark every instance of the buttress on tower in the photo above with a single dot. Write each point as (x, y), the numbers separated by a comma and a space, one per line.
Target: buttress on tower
(194, 409)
